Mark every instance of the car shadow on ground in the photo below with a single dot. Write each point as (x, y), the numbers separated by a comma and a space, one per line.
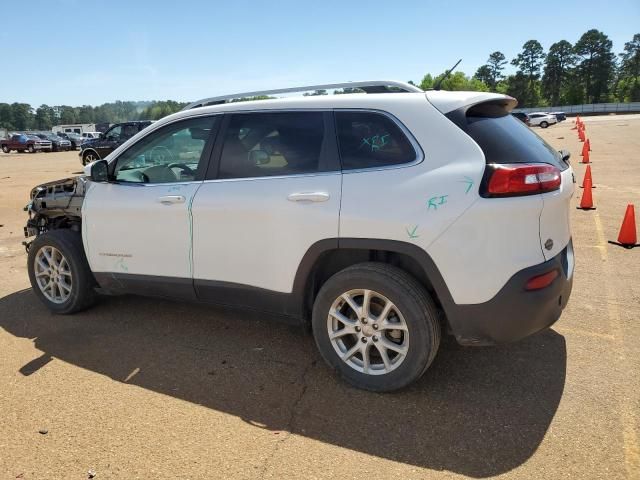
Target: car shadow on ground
(477, 411)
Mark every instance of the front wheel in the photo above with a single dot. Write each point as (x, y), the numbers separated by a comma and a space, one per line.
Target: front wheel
(59, 272)
(89, 157)
(544, 124)
(5, 149)
(32, 149)
(376, 326)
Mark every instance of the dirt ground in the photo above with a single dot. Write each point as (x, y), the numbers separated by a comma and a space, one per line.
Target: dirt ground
(141, 388)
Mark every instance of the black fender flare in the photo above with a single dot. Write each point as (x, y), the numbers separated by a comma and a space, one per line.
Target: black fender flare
(417, 254)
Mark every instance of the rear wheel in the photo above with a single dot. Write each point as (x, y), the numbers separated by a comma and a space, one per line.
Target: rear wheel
(59, 272)
(376, 326)
(544, 124)
(5, 149)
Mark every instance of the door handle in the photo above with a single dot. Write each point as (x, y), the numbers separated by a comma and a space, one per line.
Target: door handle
(171, 199)
(308, 197)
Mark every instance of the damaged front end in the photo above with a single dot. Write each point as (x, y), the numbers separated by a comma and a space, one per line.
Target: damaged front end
(54, 205)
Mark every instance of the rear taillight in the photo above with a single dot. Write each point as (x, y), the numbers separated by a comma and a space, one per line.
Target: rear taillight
(514, 179)
(541, 281)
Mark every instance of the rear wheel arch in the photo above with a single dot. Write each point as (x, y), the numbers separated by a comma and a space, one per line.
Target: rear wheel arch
(328, 257)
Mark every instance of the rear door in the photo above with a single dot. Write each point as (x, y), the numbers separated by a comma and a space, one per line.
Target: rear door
(272, 192)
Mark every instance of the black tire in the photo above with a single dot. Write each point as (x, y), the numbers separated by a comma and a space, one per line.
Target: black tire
(412, 300)
(83, 284)
(89, 157)
(544, 124)
(5, 149)
(32, 149)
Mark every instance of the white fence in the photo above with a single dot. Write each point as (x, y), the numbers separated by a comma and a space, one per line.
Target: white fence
(630, 107)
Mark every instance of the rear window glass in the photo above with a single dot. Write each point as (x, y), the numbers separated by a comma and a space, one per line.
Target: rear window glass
(369, 140)
(506, 139)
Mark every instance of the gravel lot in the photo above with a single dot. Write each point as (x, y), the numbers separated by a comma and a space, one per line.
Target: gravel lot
(142, 388)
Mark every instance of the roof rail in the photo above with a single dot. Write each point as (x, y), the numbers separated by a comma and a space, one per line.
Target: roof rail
(373, 86)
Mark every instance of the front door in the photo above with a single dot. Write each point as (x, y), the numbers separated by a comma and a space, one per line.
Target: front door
(274, 192)
(137, 228)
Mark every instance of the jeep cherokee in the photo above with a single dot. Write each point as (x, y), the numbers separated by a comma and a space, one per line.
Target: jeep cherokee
(382, 219)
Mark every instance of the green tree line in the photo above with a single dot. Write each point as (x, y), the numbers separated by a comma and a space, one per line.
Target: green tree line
(567, 74)
(21, 116)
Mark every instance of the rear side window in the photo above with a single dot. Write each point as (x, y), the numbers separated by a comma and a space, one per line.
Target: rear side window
(370, 140)
(505, 139)
(267, 144)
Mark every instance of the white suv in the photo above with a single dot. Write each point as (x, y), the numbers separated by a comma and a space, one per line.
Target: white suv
(542, 119)
(383, 219)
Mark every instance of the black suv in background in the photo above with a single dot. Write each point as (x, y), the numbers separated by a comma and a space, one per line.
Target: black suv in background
(523, 117)
(75, 139)
(561, 116)
(110, 140)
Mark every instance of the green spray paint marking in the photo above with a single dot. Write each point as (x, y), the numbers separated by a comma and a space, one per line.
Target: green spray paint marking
(190, 219)
(121, 265)
(412, 233)
(435, 202)
(469, 182)
(376, 142)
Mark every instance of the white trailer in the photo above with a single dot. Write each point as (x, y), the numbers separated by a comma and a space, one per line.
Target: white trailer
(78, 128)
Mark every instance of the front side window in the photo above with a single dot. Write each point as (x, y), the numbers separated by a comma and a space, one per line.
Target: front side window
(370, 140)
(173, 153)
(273, 143)
(114, 134)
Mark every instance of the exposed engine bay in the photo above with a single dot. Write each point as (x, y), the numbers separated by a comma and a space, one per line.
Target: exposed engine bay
(53, 205)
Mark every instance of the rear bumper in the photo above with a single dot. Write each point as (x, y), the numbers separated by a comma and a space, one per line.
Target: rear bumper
(515, 313)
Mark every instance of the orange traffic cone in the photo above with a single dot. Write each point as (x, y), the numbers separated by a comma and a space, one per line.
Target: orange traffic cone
(627, 237)
(581, 135)
(588, 143)
(586, 203)
(585, 147)
(577, 119)
(587, 177)
(585, 158)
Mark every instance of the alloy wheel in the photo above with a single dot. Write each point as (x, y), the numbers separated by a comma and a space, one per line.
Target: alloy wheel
(53, 274)
(368, 332)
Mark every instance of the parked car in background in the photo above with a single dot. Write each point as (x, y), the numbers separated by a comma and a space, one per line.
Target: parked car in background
(542, 119)
(561, 116)
(75, 139)
(119, 133)
(90, 134)
(22, 142)
(523, 117)
(58, 144)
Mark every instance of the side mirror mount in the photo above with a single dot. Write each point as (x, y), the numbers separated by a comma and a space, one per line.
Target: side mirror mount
(97, 171)
(259, 157)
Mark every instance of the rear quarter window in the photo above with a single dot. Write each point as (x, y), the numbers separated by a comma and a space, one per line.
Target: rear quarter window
(371, 140)
(505, 139)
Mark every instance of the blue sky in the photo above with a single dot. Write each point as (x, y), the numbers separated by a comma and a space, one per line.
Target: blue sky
(79, 52)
